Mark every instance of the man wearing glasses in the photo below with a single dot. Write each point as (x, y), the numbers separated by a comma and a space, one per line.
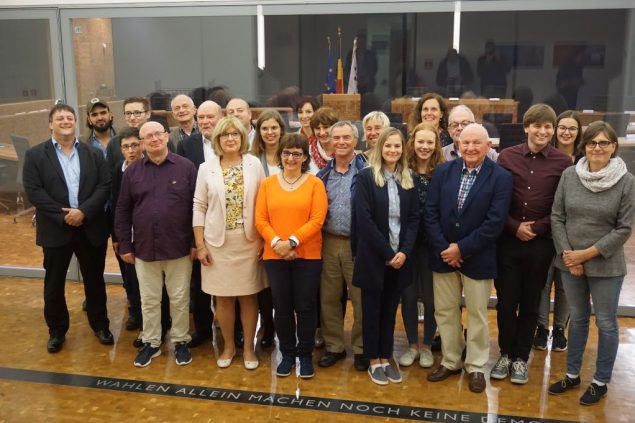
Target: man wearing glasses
(156, 202)
(460, 116)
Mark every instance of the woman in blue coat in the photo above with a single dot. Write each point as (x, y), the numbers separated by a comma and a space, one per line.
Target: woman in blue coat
(386, 220)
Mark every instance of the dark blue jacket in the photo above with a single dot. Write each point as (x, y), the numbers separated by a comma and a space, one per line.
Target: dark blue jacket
(476, 227)
(372, 240)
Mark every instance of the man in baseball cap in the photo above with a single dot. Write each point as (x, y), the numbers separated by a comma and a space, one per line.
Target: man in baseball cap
(99, 123)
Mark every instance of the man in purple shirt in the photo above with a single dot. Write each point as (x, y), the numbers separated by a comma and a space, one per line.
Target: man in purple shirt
(525, 249)
(153, 223)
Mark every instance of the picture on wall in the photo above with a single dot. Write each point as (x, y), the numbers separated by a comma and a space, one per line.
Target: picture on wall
(582, 54)
(523, 55)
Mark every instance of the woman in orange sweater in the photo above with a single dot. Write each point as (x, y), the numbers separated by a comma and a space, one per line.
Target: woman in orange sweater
(290, 211)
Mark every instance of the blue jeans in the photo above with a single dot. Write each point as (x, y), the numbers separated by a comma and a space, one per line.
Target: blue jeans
(605, 293)
(422, 288)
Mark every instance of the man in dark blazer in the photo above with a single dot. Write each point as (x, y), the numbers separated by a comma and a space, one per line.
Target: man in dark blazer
(68, 182)
(466, 207)
(198, 149)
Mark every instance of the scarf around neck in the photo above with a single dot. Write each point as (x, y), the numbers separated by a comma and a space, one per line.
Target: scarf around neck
(604, 178)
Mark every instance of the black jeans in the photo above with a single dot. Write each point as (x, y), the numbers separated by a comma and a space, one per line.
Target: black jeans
(131, 285)
(522, 274)
(91, 263)
(379, 308)
(294, 288)
(201, 304)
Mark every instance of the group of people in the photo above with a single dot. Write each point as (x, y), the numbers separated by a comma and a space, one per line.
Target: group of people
(235, 221)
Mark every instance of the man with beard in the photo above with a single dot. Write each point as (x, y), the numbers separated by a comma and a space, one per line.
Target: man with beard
(99, 123)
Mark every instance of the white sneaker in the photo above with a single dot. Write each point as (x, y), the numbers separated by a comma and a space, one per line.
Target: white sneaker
(408, 357)
(426, 359)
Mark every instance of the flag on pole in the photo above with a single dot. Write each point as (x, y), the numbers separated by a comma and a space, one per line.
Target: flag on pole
(340, 68)
(352, 77)
(330, 84)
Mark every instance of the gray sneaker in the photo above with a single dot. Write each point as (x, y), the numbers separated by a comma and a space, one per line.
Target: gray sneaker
(392, 374)
(378, 375)
(519, 372)
(501, 368)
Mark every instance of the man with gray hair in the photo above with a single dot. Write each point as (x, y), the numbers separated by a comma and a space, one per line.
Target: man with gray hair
(339, 177)
(466, 209)
(183, 111)
(460, 116)
(198, 149)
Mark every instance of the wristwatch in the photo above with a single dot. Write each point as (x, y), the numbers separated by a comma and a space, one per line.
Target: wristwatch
(293, 243)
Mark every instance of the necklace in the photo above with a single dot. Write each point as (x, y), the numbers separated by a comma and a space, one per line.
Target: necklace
(292, 182)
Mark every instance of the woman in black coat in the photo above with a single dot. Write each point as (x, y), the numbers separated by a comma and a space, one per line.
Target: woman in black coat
(386, 217)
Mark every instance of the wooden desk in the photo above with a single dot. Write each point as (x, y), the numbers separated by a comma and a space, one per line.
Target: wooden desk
(479, 107)
(7, 153)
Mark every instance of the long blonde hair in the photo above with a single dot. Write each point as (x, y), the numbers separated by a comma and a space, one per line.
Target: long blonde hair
(402, 171)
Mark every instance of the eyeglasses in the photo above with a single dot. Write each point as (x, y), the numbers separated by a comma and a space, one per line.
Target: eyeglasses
(602, 144)
(226, 135)
(131, 147)
(136, 113)
(571, 129)
(286, 154)
(157, 134)
(455, 125)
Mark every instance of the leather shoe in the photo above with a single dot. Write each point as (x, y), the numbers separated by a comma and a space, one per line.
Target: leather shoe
(477, 382)
(330, 358)
(266, 342)
(55, 343)
(441, 373)
(361, 363)
(198, 339)
(133, 323)
(105, 337)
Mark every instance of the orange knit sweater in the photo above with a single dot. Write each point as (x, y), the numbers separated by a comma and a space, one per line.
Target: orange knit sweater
(284, 213)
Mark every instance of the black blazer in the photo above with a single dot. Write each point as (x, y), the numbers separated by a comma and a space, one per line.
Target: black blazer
(372, 240)
(46, 189)
(192, 148)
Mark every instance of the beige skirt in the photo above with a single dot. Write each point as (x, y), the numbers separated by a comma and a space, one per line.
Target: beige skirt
(235, 269)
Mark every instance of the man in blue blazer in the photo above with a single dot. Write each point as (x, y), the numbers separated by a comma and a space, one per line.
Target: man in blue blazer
(68, 182)
(466, 207)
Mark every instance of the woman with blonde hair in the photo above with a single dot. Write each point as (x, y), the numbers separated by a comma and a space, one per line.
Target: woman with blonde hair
(424, 153)
(227, 242)
(386, 217)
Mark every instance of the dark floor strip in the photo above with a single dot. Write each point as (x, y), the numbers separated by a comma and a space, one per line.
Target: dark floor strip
(263, 398)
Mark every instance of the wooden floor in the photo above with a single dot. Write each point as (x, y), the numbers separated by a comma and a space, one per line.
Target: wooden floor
(55, 397)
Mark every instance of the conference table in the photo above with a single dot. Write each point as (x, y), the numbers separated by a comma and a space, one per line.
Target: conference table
(7, 153)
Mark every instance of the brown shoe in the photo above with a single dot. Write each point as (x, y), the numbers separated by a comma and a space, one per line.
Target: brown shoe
(477, 382)
(441, 373)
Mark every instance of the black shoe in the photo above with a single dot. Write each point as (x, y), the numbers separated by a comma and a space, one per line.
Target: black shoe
(563, 385)
(330, 358)
(436, 343)
(55, 343)
(137, 343)
(540, 338)
(239, 339)
(266, 342)
(84, 306)
(133, 323)
(593, 394)
(558, 341)
(198, 339)
(105, 337)
(360, 362)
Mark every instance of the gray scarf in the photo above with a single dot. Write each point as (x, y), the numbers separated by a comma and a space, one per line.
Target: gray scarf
(604, 178)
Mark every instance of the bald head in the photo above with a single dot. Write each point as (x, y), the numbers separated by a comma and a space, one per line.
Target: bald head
(209, 112)
(155, 139)
(474, 145)
(239, 108)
